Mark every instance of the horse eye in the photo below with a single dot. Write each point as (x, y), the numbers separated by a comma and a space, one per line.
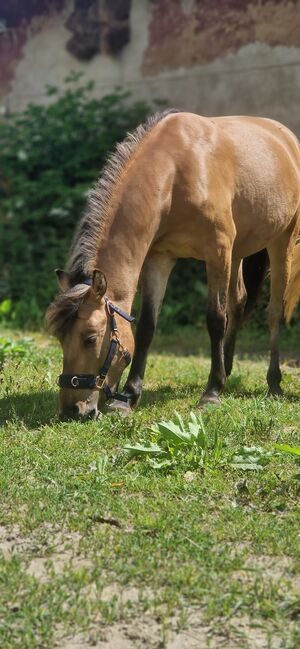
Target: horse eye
(90, 341)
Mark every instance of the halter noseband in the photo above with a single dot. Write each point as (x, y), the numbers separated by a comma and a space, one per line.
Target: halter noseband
(98, 382)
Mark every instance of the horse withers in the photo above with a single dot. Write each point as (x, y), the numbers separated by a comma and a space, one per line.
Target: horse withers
(217, 190)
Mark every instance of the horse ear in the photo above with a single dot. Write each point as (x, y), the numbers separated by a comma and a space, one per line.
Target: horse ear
(99, 283)
(62, 278)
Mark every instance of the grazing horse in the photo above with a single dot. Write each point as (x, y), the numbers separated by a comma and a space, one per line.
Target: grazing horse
(217, 190)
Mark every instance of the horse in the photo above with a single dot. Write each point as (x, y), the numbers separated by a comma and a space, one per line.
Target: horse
(216, 189)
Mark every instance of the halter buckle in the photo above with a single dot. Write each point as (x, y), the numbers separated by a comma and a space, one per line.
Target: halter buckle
(100, 380)
(74, 381)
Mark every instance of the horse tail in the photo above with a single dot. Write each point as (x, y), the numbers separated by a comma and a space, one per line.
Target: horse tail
(255, 269)
(292, 293)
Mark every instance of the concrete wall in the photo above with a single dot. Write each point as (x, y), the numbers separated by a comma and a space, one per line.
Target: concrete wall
(213, 57)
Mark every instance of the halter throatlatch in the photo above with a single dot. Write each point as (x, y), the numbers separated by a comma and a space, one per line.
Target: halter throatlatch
(98, 382)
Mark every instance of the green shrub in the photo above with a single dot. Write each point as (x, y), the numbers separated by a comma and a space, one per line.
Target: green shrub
(49, 157)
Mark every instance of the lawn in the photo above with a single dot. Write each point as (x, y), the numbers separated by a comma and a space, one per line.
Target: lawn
(97, 549)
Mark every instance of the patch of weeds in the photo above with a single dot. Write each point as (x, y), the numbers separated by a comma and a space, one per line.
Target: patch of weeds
(97, 471)
(11, 349)
(189, 445)
(251, 458)
(178, 442)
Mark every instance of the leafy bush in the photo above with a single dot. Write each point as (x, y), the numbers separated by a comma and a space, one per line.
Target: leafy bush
(49, 157)
(186, 295)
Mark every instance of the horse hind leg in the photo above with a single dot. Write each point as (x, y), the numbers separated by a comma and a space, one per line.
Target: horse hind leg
(218, 271)
(280, 262)
(237, 298)
(244, 290)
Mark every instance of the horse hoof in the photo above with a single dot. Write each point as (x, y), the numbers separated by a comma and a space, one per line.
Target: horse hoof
(121, 407)
(209, 399)
(275, 392)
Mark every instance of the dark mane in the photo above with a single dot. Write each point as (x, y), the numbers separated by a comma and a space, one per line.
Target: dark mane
(63, 310)
(91, 227)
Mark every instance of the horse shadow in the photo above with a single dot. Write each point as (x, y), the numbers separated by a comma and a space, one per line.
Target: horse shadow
(40, 408)
(33, 410)
(165, 393)
(234, 387)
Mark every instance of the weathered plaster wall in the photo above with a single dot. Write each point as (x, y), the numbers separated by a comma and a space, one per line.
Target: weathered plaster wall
(189, 33)
(213, 57)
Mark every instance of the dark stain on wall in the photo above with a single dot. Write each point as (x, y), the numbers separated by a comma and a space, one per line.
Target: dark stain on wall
(210, 29)
(15, 13)
(98, 26)
(19, 19)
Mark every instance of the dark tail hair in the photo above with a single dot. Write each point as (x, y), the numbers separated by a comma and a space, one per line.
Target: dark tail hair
(292, 294)
(255, 269)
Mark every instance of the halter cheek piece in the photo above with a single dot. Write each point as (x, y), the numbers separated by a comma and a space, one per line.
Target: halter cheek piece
(98, 382)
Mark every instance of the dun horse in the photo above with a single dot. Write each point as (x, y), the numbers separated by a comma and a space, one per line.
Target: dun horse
(181, 185)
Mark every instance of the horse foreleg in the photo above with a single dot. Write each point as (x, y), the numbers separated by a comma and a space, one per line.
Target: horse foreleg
(237, 297)
(218, 275)
(154, 279)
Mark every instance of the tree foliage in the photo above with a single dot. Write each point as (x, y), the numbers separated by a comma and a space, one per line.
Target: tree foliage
(50, 155)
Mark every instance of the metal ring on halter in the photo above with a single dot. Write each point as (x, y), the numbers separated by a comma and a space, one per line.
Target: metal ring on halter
(74, 381)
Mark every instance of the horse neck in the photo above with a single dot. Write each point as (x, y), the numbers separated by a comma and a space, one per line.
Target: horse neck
(121, 255)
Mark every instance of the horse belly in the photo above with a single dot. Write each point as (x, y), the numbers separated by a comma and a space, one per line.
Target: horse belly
(265, 209)
(263, 220)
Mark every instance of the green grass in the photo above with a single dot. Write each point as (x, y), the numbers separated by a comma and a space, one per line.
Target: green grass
(86, 548)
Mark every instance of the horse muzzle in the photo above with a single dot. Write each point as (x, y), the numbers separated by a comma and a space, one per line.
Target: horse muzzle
(78, 412)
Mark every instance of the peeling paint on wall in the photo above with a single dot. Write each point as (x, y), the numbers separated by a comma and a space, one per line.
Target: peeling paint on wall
(97, 26)
(214, 57)
(184, 33)
(19, 21)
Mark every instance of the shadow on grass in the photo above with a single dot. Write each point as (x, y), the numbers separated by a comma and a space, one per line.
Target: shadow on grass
(33, 410)
(40, 408)
(236, 388)
(167, 392)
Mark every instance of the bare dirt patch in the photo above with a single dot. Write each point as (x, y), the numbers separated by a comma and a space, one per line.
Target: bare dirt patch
(146, 632)
(277, 569)
(12, 541)
(47, 550)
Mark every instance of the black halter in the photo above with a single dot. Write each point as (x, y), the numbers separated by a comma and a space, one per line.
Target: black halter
(98, 382)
